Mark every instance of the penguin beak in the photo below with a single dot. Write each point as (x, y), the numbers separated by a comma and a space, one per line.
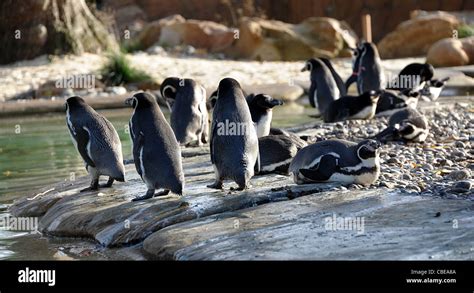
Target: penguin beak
(129, 101)
(304, 69)
(276, 102)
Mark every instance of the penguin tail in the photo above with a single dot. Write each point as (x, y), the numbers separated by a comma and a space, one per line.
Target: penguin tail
(388, 134)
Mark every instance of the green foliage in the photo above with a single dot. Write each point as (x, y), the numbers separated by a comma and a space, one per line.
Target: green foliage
(118, 71)
(465, 31)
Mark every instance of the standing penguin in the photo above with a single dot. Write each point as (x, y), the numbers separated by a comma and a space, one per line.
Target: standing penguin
(261, 110)
(323, 89)
(371, 76)
(406, 124)
(355, 67)
(156, 151)
(337, 160)
(97, 142)
(350, 107)
(234, 141)
(189, 118)
(337, 78)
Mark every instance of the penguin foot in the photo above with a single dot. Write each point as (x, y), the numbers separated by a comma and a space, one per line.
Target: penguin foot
(216, 185)
(149, 194)
(162, 193)
(108, 184)
(90, 188)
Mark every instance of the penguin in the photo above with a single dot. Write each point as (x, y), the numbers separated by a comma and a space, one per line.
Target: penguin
(406, 124)
(356, 54)
(261, 110)
(371, 75)
(413, 76)
(433, 88)
(156, 151)
(337, 160)
(277, 152)
(189, 117)
(389, 102)
(323, 89)
(337, 78)
(234, 141)
(353, 107)
(97, 142)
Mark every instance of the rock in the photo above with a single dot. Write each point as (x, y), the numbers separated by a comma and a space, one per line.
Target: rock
(283, 91)
(175, 30)
(451, 52)
(459, 174)
(414, 37)
(466, 185)
(271, 40)
(297, 230)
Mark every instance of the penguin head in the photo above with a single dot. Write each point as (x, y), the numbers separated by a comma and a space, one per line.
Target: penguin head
(74, 103)
(141, 100)
(368, 149)
(374, 95)
(169, 87)
(405, 128)
(426, 72)
(311, 64)
(438, 82)
(211, 102)
(263, 101)
(226, 85)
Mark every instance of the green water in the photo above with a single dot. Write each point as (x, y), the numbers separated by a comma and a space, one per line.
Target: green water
(36, 151)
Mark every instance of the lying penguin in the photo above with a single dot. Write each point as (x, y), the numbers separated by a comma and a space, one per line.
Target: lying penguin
(261, 110)
(413, 76)
(433, 88)
(277, 152)
(189, 118)
(352, 107)
(406, 124)
(337, 160)
(97, 142)
(389, 102)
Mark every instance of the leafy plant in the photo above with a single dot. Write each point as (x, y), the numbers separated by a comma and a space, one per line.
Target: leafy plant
(465, 31)
(118, 71)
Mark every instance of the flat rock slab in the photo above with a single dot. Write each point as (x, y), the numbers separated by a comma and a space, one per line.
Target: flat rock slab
(110, 218)
(395, 227)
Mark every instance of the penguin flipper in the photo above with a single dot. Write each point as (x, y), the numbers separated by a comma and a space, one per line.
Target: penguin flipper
(388, 134)
(257, 164)
(312, 91)
(137, 145)
(82, 139)
(350, 81)
(323, 170)
(211, 148)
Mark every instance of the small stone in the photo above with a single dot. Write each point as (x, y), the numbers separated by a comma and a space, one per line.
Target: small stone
(459, 144)
(445, 162)
(460, 174)
(466, 185)
(413, 187)
(393, 161)
(406, 177)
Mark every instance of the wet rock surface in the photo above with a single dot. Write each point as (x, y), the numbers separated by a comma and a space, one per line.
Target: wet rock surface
(420, 208)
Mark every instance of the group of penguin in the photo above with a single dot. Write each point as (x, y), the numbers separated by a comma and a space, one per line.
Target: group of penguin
(260, 149)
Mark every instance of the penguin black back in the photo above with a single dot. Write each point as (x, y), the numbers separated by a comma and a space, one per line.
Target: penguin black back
(371, 75)
(323, 89)
(340, 84)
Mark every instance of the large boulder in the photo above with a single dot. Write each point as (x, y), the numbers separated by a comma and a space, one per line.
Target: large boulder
(451, 52)
(271, 40)
(175, 30)
(414, 37)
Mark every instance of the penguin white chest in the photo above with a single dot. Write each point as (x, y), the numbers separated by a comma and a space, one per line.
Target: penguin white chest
(366, 113)
(263, 125)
